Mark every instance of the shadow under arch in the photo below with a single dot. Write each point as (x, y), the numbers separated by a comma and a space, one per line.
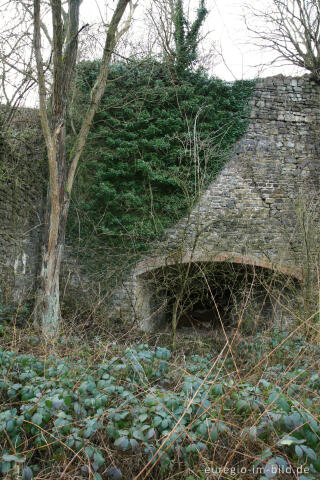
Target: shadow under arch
(214, 286)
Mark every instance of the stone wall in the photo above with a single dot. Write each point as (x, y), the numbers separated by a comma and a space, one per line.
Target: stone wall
(257, 210)
(22, 186)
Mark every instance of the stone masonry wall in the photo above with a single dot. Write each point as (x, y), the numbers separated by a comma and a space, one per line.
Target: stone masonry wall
(22, 173)
(253, 213)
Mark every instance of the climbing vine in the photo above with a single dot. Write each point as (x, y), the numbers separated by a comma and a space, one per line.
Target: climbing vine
(138, 174)
(186, 36)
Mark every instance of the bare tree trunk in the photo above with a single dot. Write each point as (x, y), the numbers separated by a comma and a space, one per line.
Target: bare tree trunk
(47, 309)
(61, 171)
(47, 313)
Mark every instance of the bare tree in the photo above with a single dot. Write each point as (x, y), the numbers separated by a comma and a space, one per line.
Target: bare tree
(16, 60)
(291, 28)
(62, 167)
(175, 35)
(161, 27)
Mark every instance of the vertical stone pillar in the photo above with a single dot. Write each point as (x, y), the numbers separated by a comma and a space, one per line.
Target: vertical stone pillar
(149, 311)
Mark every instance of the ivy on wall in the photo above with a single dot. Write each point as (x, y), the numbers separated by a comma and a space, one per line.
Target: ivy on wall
(154, 144)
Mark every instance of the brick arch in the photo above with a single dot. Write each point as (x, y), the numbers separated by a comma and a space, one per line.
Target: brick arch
(150, 318)
(231, 257)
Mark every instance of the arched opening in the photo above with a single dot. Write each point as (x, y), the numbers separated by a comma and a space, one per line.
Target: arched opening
(207, 295)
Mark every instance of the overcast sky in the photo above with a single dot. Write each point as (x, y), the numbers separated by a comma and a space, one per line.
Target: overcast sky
(240, 58)
(235, 55)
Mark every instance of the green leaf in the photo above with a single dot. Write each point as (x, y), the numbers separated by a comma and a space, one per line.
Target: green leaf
(253, 433)
(282, 462)
(114, 473)
(14, 458)
(37, 419)
(98, 459)
(5, 467)
(214, 434)
(143, 417)
(122, 443)
(271, 468)
(10, 425)
(217, 389)
(264, 382)
(243, 406)
(27, 474)
(138, 434)
(309, 452)
(157, 420)
(203, 429)
(165, 423)
(134, 444)
(89, 451)
(273, 396)
(67, 400)
(290, 441)
(151, 433)
(265, 454)
(284, 405)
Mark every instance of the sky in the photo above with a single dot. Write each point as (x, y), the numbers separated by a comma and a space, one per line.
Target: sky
(236, 55)
(242, 58)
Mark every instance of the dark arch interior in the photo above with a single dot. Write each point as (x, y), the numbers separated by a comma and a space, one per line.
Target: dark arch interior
(207, 295)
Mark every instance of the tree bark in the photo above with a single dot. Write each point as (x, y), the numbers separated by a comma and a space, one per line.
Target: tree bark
(47, 309)
(61, 169)
(47, 313)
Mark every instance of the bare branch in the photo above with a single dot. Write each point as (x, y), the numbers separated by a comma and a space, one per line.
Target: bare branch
(40, 75)
(291, 28)
(98, 88)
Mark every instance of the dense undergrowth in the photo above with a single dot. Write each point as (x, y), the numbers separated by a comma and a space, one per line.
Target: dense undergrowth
(248, 409)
